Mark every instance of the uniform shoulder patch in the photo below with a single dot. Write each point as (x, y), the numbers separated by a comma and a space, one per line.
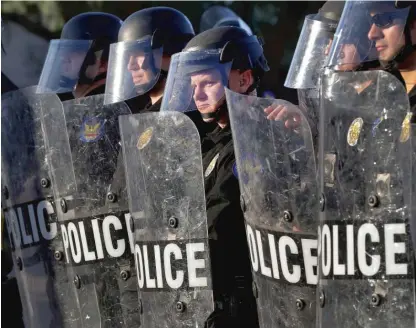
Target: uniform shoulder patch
(92, 129)
(211, 165)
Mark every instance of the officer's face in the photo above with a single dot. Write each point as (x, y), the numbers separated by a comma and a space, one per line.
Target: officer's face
(387, 33)
(71, 64)
(208, 90)
(138, 67)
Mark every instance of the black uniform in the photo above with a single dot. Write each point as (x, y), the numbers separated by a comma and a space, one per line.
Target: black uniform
(228, 245)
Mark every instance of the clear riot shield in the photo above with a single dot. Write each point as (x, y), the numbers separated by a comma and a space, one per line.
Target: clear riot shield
(162, 155)
(277, 176)
(86, 166)
(366, 257)
(29, 209)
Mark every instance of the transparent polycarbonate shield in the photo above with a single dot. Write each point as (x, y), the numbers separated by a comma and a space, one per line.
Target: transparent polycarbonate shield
(366, 257)
(63, 65)
(277, 176)
(133, 69)
(221, 16)
(310, 54)
(196, 81)
(162, 155)
(363, 32)
(29, 209)
(85, 159)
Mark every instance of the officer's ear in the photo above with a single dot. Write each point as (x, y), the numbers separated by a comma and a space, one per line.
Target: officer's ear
(240, 81)
(246, 80)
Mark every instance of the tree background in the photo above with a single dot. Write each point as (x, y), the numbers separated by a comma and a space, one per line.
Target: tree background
(278, 22)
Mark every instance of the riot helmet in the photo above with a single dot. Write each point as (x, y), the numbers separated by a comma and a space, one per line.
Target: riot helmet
(370, 33)
(217, 15)
(199, 74)
(80, 56)
(146, 36)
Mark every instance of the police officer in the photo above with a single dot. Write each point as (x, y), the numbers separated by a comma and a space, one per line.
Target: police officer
(218, 58)
(140, 59)
(365, 173)
(387, 26)
(76, 64)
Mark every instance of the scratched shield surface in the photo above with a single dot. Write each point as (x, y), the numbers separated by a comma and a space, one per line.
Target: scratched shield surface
(277, 176)
(162, 155)
(366, 254)
(29, 210)
(84, 153)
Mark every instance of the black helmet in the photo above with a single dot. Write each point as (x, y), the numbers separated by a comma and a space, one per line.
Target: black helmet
(135, 64)
(89, 34)
(330, 12)
(236, 45)
(168, 27)
(216, 16)
(205, 64)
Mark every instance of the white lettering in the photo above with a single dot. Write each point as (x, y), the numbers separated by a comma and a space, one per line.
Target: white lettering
(176, 251)
(326, 250)
(65, 241)
(121, 244)
(27, 239)
(150, 282)
(48, 235)
(392, 248)
(158, 262)
(272, 246)
(350, 250)
(339, 269)
(363, 231)
(310, 261)
(73, 237)
(284, 242)
(194, 264)
(139, 265)
(97, 239)
(263, 268)
(253, 250)
(88, 255)
(128, 218)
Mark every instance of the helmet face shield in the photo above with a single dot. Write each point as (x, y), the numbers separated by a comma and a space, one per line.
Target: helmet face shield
(196, 81)
(63, 65)
(310, 55)
(133, 69)
(368, 31)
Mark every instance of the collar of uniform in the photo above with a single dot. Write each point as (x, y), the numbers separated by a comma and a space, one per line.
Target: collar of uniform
(152, 108)
(220, 134)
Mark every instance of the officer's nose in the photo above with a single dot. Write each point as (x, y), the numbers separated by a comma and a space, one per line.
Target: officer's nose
(133, 64)
(375, 33)
(198, 93)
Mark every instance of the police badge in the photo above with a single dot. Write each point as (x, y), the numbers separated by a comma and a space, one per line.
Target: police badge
(354, 131)
(144, 138)
(404, 135)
